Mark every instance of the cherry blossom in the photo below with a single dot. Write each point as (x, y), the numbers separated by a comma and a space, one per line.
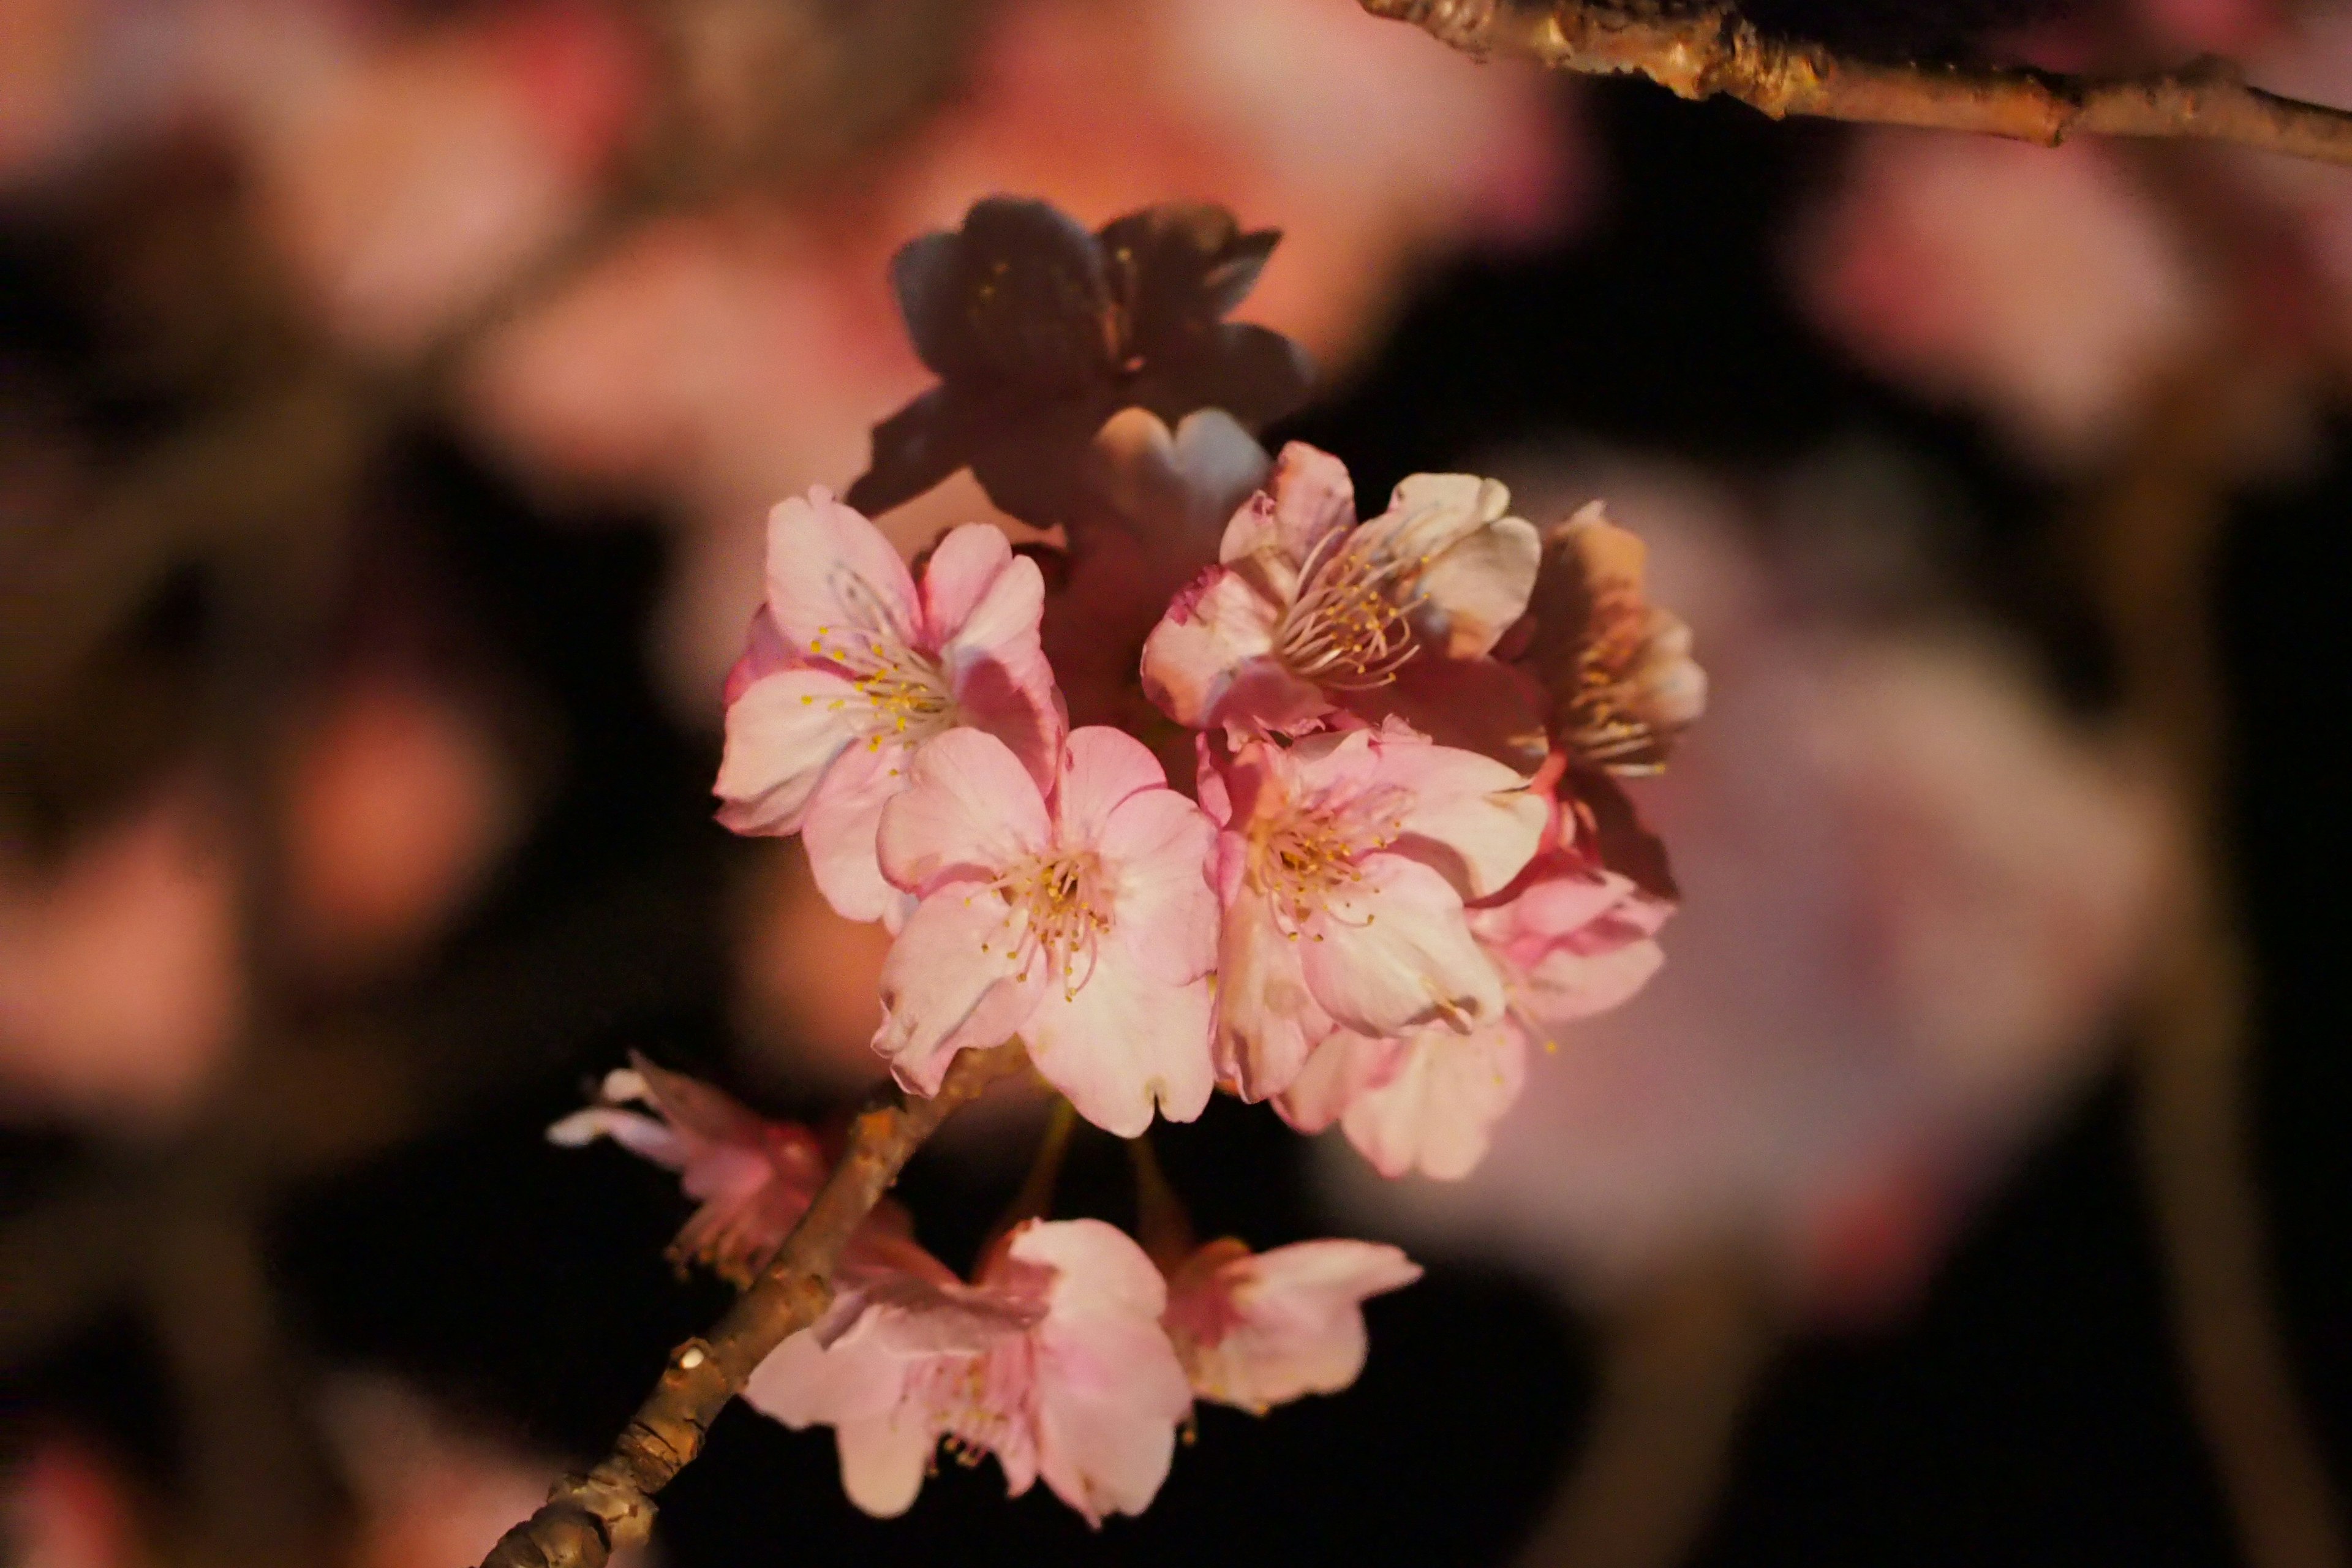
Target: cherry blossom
(754, 1177)
(1427, 1101)
(1574, 934)
(853, 664)
(1617, 670)
(1306, 610)
(1257, 1329)
(1053, 1360)
(1343, 867)
(1084, 923)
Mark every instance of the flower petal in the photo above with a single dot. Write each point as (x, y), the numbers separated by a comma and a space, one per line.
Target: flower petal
(1213, 629)
(1267, 1019)
(1473, 591)
(1472, 819)
(1391, 951)
(969, 809)
(1438, 1111)
(952, 980)
(1123, 1041)
(833, 578)
(1156, 848)
(1340, 1071)
(764, 653)
(1294, 1321)
(885, 1459)
(1109, 1388)
(845, 817)
(1101, 767)
(783, 733)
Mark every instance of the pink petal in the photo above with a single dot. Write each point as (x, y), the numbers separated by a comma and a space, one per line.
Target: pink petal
(1109, 1394)
(845, 819)
(831, 577)
(1564, 986)
(1109, 1388)
(1438, 1113)
(1480, 705)
(1097, 1268)
(1296, 1321)
(1156, 848)
(1473, 591)
(1101, 767)
(764, 653)
(1392, 951)
(1469, 817)
(1267, 1020)
(1215, 629)
(1319, 1275)
(640, 1134)
(963, 570)
(1124, 1041)
(1344, 1068)
(782, 735)
(998, 672)
(1308, 496)
(952, 982)
(805, 1382)
(885, 1459)
(969, 809)
(1313, 496)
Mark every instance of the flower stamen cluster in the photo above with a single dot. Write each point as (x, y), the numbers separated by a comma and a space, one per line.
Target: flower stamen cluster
(1350, 628)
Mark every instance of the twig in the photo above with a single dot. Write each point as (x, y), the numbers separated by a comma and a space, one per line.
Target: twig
(2154, 536)
(1680, 1366)
(1711, 48)
(587, 1518)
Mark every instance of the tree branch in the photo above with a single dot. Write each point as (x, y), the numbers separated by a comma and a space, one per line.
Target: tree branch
(587, 1518)
(1711, 48)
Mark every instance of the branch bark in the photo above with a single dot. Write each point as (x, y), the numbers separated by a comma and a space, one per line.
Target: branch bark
(587, 1518)
(1711, 48)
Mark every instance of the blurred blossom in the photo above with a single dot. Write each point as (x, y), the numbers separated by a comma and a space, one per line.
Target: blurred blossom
(430, 1492)
(62, 1506)
(1912, 895)
(2038, 286)
(405, 178)
(399, 802)
(121, 987)
(805, 978)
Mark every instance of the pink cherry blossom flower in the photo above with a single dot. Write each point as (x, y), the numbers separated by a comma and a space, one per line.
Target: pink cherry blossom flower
(1257, 1329)
(1344, 866)
(1085, 922)
(1575, 933)
(851, 665)
(1307, 608)
(1426, 1102)
(1616, 670)
(1053, 1360)
(755, 1177)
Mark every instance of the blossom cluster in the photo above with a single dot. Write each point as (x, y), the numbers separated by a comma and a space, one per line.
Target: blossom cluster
(1350, 842)
(1399, 860)
(1071, 1355)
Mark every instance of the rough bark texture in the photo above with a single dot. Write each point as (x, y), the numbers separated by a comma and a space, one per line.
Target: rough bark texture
(587, 1518)
(1708, 50)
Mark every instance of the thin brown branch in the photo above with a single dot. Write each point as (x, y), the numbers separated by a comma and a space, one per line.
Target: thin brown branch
(2153, 537)
(1711, 48)
(587, 1518)
(1681, 1364)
